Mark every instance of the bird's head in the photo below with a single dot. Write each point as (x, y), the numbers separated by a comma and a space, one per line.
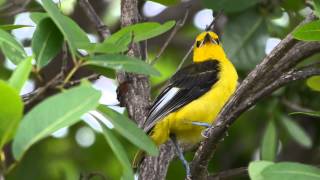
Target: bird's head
(208, 46)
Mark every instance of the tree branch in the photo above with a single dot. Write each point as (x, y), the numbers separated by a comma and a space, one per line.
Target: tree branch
(273, 72)
(102, 29)
(228, 174)
(134, 89)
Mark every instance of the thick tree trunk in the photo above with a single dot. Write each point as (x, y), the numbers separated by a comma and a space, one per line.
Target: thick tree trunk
(134, 93)
(134, 89)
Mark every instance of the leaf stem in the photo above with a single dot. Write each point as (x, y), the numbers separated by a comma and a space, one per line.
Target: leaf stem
(77, 65)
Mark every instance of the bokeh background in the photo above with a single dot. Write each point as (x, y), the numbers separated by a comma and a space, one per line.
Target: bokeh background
(253, 29)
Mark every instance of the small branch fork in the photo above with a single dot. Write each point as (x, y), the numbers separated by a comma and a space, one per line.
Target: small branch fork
(275, 71)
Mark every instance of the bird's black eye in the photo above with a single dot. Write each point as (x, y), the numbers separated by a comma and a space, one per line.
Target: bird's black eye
(198, 44)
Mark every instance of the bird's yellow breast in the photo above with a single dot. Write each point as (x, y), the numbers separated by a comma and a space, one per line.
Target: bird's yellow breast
(204, 109)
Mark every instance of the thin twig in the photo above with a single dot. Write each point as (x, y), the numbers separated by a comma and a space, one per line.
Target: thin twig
(102, 29)
(64, 60)
(214, 21)
(178, 26)
(228, 174)
(31, 97)
(91, 77)
(13, 8)
(185, 58)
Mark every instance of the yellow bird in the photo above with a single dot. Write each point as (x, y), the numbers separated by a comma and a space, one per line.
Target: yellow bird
(193, 97)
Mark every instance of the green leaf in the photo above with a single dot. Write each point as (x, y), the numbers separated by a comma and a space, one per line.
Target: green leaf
(2, 2)
(9, 27)
(293, 5)
(74, 35)
(11, 48)
(246, 47)
(167, 2)
(316, 5)
(107, 72)
(129, 130)
(269, 143)
(143, 31)
(296, 132)
(122, 63)
(54, 113)
(288, 171)
(229, 6)
(114, 45)
(314, 83)
(119, 151)
(21, 74)
(11, 110)
(36, 17)
(313, 114)
(46, 42)
(256, 167)
(308, 32)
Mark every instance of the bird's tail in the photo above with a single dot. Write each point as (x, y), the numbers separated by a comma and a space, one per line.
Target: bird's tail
(138, 158)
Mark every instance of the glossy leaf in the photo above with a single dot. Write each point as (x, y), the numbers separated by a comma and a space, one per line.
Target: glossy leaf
(269, 143)
(38, 16)
(122, 63)
(129, 130)
(246, 47)
(296, 132)
(286, 171)
(308, 32)
(9, 27)
(11, 111)
(114, 45)
(314, 83)
(52, 114)
(74, 35)
(229, 6)
(143, 31)
(11, 48)
(256, 167)
(21, 74)
(46, 42)
(119, 151)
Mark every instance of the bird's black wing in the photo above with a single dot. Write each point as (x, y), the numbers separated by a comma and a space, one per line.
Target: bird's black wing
(185, 86)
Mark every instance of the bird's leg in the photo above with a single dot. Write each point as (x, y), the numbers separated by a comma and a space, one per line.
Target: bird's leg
(202, 124)
(180, 155)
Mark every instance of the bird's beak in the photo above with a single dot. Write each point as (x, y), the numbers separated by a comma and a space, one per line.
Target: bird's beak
(207, 39)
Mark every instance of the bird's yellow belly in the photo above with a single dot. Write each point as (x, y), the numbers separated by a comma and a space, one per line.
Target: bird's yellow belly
(203, 109)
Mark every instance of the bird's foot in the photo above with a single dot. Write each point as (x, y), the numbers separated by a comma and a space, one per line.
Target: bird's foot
(205, 133)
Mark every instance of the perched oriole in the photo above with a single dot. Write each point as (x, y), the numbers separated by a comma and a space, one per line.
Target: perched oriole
(193, 97)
